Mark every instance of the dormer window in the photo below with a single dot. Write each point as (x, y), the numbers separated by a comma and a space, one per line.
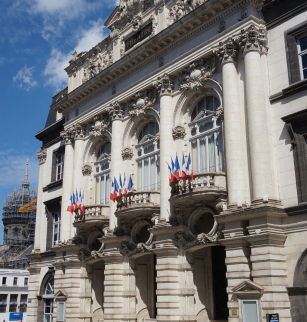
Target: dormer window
(148, 159)
(206, 136)
(102, 174)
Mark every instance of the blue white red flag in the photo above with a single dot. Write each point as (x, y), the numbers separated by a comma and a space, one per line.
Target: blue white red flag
(76, 201)
(177, 168)
(173, 177)
(70, 206)
(73, 201)
(130, 185)
(112, 193)
(124, 191)
(116, 187)
(120, 186)
(189, 168)
(184, 169)
(82, 201)
(170, 176)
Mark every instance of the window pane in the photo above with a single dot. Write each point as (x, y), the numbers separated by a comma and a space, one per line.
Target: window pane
(149, 149)
(140, 175)
(205, 127)
(107, 189)
(60, 316)
(250, 313)
(220, 149)
(105, 166)
(303, 43)
(146, 174)
(152, 173)
(203, 155)
(47, 318)
(211, 150)
(194, 156)
(209, 103)
(304, 61)
(216, 103)
(200, 106)
(102, 190)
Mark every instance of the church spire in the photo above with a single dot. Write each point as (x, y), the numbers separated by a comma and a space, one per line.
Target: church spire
(25, 182)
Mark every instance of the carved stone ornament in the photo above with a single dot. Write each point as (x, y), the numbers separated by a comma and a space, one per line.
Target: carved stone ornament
(127, 154)
(164, 85)
(99, 125)
(195, 76)
(68, 135)
(228, 50)
(181, 8)
(141, 102)
(220, 112)
(137, 22)
(78, 131)
(116, 111)
(114, 35)
(132, 249)
(187, 241)
(87, 170)
(222, 205)
(178, 132)
(253, 39)
(100, 60)
(42, 156)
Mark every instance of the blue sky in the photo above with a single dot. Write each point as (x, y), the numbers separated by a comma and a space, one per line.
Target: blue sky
(37, 39)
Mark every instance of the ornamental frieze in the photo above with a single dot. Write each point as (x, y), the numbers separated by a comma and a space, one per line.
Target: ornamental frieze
(195, 76)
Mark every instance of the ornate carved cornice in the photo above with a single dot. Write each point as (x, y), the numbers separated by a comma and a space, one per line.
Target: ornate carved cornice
(116, 111)
(141, 102)
(99, 125)
(42, 156)
(78, 131)
(178, 132)
(253, 39)
(87, 170)
(164, 85)
(188, 241)
(195, 76)
(228, 50)
(127, 154)
(68, 135)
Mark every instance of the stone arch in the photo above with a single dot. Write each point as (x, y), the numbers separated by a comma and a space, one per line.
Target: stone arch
(188, 98)
(133, 126)
(300, 278)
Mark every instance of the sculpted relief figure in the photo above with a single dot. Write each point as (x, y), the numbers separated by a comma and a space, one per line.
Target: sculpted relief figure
(181, 8)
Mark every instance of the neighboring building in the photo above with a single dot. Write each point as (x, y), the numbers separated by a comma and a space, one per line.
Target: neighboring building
(222, 80)
(18, 216)
(13, 294)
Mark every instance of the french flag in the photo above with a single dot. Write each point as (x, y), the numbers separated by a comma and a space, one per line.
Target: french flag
(82, 201)
(70, 207)
(124, 186)
(189, 168)
(77, 201)
(120, 186)
(177, 168)
(116, 189)
(173, 176)
(130, 185)
(113, 193)
(73, 202)
(184, 170)
(170, 176)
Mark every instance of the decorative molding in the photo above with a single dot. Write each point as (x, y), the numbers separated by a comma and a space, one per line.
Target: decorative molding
(137, 22)
(99, 125)
(127, 154)
(182, 8)
(68, 135)
(141, 102)
(187, 241)
(253, 39)
(220, 112)
(116, 111)
(195, 76)
(87, 170)
(228, 50)
(179, 132)
(42, 156)
(132, 249)
(164, 85)
(78, 131)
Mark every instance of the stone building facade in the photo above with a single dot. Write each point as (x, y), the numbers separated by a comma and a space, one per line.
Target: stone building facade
(223, 81)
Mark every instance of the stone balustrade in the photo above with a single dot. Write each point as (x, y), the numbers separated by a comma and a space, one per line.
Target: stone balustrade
(92, 213)
(135, 199)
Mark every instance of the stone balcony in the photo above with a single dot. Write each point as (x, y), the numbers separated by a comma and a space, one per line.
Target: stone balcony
(93, 216)
(205, 186)
(138, 203)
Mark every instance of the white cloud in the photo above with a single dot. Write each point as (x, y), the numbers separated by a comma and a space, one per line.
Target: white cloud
(24, 78)
(54, 70)
(13, 165)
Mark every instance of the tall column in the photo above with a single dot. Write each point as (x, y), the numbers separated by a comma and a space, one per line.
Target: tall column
(42, 156)
(79, 132)
(65, 232)
(253, 42)
(234, 135)
(117, 114)
(165, 86)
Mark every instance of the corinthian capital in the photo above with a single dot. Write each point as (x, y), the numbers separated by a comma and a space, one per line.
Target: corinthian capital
(68, 135)
(228, 50)
(253, 39)
(78, 131)
(42, 156)
(164, 85)
(116, 111)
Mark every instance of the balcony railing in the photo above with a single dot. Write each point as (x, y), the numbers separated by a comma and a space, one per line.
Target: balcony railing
(138, 199)
(205, 182)
(92, 213)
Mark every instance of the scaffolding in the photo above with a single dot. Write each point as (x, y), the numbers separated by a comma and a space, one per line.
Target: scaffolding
(18, 199)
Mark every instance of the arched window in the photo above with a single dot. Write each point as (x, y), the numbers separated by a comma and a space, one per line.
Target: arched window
(206, 136)
(102, 174)
(148, 158)
(48, 300)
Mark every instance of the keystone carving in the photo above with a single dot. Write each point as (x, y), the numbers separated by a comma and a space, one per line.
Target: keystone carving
(42, 156)
(164, 85)
(228, 50)
(127, 154)
(253, 39)
(116, 111)
(141, 102)
(87, 170)
(178, 132)
(99, 125)
(195, 76)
